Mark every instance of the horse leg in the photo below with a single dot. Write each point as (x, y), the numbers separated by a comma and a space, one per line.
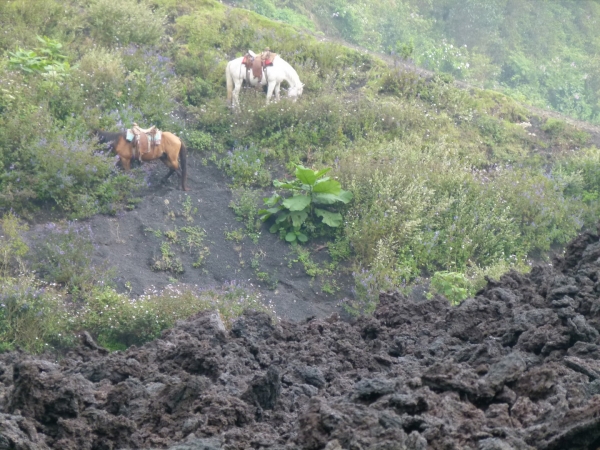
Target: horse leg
(236, 94)
(172, 163)
(277, 89)
(270, 91)
(168, 175)
(125, 163)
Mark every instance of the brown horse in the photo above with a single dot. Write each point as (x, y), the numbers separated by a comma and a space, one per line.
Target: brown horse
(171, 151)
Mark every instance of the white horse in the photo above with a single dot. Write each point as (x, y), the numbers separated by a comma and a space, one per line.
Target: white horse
(274, 74)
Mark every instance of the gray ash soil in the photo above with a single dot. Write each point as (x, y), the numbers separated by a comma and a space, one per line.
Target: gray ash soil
(126, 244)
(517, 367)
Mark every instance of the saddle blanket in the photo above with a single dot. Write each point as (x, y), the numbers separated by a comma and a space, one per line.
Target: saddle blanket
(257, 63)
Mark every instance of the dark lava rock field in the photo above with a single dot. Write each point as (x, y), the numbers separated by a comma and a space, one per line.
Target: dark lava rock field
(517, 367)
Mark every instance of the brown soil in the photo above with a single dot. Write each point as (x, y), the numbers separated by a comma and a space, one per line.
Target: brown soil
(514, 368)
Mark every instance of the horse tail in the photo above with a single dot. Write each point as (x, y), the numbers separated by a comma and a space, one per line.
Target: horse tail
(229, 78)
(183, 161)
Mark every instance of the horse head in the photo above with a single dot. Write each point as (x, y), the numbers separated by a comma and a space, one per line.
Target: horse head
(107, 138)
(295, 92)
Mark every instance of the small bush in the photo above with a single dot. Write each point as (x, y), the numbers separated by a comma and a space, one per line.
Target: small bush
(199, 140)
(119, 322)
(29, 315)
(167, 261)
(12, 247)
(407, 84)
(564, 134)
(246, 166)
(452, 285)
(63, 255)
(101, 74)
(124, 22)
(245, 204)
(197, 91)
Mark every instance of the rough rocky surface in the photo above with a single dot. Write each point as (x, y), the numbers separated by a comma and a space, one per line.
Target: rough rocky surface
(517, 367)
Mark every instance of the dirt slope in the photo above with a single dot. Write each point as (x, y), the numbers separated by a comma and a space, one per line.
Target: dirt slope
(515, 368)
(128, 244)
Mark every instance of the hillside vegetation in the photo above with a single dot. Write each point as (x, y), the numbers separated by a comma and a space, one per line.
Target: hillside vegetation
(546, 53)
(447, 184)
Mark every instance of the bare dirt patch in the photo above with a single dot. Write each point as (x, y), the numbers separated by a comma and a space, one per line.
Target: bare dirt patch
(130, 243)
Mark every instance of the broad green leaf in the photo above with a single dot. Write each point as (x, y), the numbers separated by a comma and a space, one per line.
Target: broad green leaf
(281, 217)
(328, 187)
(264, 214)
(274, 228)
(290, 237)
(298, 218)
(297, 202)
(322, 172)
(329, 218)
(302, 237)
(326, 199)
(346, 196)
(307, 176)
(279, 184)
(272, 201)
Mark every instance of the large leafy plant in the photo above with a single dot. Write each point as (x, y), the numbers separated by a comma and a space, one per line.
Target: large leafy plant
(313, 201)
(46, 60)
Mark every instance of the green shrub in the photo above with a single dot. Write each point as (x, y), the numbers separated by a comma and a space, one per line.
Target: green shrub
(244, 204)
(298, 216)
(246, 166)
(543, 214)
(72, 174)
(405, 84)
(29, 315)
(198, 91)
(101, 75)
(124, 22)
(418, 208)
(452, 285)
(554, 127)
(188, 239)
(63, 255)
(167, 261)
(367, 286)
(199, 140)
(47, 60)
(38, 317)
(119, 322)
(12, 247)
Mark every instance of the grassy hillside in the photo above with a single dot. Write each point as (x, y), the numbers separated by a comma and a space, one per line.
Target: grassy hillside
(446, 183)
(544, 53)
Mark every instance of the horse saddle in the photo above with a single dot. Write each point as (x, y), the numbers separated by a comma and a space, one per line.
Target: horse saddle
(143, 139)
(257, 63)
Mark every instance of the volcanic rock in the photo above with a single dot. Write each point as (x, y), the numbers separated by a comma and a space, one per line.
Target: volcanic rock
(516, 367)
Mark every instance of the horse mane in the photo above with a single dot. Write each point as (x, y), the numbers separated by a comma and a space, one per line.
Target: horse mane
(108, 136)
